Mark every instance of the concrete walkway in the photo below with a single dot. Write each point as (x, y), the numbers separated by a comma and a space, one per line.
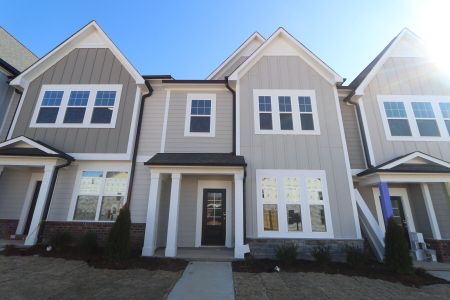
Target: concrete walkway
(441, 270)
(204, 280)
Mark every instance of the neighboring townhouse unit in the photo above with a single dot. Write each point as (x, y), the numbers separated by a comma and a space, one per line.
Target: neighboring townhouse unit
(14, 58)
(400, 156)
(67, 160)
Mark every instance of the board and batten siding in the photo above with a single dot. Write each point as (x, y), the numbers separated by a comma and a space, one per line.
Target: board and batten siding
(352, 136)
(8, 103)
(403, 76)
(13, 188)
(304, 152)
(82, 66)
(222, 142)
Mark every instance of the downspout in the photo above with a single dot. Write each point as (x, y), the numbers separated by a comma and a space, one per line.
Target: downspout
(244, 208)
(136, 142)
(348, 99)
(49, 197)
(233, 93)
(15, 111)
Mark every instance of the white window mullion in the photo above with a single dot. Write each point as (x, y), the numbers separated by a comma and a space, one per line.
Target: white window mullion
(100, 197)
(439, 119)
(295, 112)
(275, 114)
(411, 119)
(63, 107)
(305, 210)
(90, 107)
(282, 214)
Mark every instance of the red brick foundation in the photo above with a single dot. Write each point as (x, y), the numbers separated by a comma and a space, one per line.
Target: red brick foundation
(442, 248)
(8, 228)
(77, 229)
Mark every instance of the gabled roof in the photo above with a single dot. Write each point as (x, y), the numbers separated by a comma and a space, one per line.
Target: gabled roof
(196, 159)
(310, 58)
(254, 38)
(415, 162)
(90, 36)
(363, 79)
(24, 146)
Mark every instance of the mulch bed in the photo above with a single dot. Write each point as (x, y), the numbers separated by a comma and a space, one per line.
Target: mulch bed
(101, 262)
(371, 269)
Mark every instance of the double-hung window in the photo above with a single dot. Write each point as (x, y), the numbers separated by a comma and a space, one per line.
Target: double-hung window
(77, 106)
(200, 115)
(100, 195)
(285, 112)
(293, 203)
(415, 118)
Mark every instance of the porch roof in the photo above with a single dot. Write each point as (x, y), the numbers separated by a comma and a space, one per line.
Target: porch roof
(24, 146)
(196, 159)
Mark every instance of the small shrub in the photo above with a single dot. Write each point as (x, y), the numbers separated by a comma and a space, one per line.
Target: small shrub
(356, 258)
(287, 253)
(396, 253)
(321, 254)
(421, 272)
(118, 246)
(88, 244)
(60, 241)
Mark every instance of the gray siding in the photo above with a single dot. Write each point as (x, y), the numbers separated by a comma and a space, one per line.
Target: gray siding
(13, 187)
(419, 211)
(403, 76)
(352, 136)
(367, 194)
(5, 96)
(441, 203)
(62, 195)
(83, 66)
(316, 152)
(230, 67)
(221, 143)
(140, 192)
(9, 115)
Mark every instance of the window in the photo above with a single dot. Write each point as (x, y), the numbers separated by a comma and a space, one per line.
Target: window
(200, 115)
(415, 117)
(77, 106)
(100, 195)
(49, 107)
(293, 203)
(285, 112)
(445, 110)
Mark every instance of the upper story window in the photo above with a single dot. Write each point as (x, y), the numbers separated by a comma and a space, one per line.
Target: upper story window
(285, 112)
(416, 118)
(200, 115)
(77, 106)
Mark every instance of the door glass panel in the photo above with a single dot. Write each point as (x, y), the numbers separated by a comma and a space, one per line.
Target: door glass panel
(214, 209)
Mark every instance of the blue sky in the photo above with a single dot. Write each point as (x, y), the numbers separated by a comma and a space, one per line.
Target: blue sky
(188, 39)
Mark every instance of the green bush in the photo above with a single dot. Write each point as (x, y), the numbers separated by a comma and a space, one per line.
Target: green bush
(356, 257)
(88, 244)
(119, 245)
(396, 253)
(321, 254)
(60, 241)
(287, 253)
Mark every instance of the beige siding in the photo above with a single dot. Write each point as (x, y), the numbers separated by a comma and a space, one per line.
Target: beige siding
(139, 195)
(230, 67)
(82, 66)
(403, 76)
(352, 136)
(13, 188)
(221, 143)
(419, 212)
(62, 194)
(315, 152)
(441, 203)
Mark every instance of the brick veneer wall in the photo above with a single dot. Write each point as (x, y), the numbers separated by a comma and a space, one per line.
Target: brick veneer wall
(442, 248)
(8, 228)
(77, 229)
(266, 248)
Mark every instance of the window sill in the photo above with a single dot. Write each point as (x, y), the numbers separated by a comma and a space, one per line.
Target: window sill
(295, 235)
(287, 132)
(417, 139)
(206, 134)
(72, 125)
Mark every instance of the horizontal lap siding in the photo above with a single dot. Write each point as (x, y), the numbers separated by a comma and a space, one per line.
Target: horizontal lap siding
(403, 76)
(139, 194)
(352, 136)
(13, 188)
(324, 152)
(62, 194)
(441, 205)
(82, 66)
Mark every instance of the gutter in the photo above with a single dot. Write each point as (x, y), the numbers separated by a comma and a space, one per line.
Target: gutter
(136, 142)
(233, 92)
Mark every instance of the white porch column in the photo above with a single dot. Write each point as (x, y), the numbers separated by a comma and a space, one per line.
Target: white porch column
(40, 206)
(172, 228)
(151, 227)
(239, 248)
(430, 211)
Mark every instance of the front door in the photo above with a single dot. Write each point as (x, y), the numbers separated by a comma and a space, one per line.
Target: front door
(214, 217)
(32, 206)
(398, 214)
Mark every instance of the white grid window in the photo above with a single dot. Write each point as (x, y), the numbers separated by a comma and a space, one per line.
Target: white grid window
(200, 115)
(445, 110)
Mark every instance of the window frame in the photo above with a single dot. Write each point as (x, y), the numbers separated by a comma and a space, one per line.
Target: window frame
(276, 124)
(76, 190)
(283, 228)
(407, 100)
(187, 122)
(67, 89)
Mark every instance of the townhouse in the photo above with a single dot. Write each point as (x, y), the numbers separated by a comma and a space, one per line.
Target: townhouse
(270, 148)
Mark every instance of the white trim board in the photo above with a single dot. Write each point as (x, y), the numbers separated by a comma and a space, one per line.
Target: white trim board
(413, 156)
(35, 177)
(28, 141)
